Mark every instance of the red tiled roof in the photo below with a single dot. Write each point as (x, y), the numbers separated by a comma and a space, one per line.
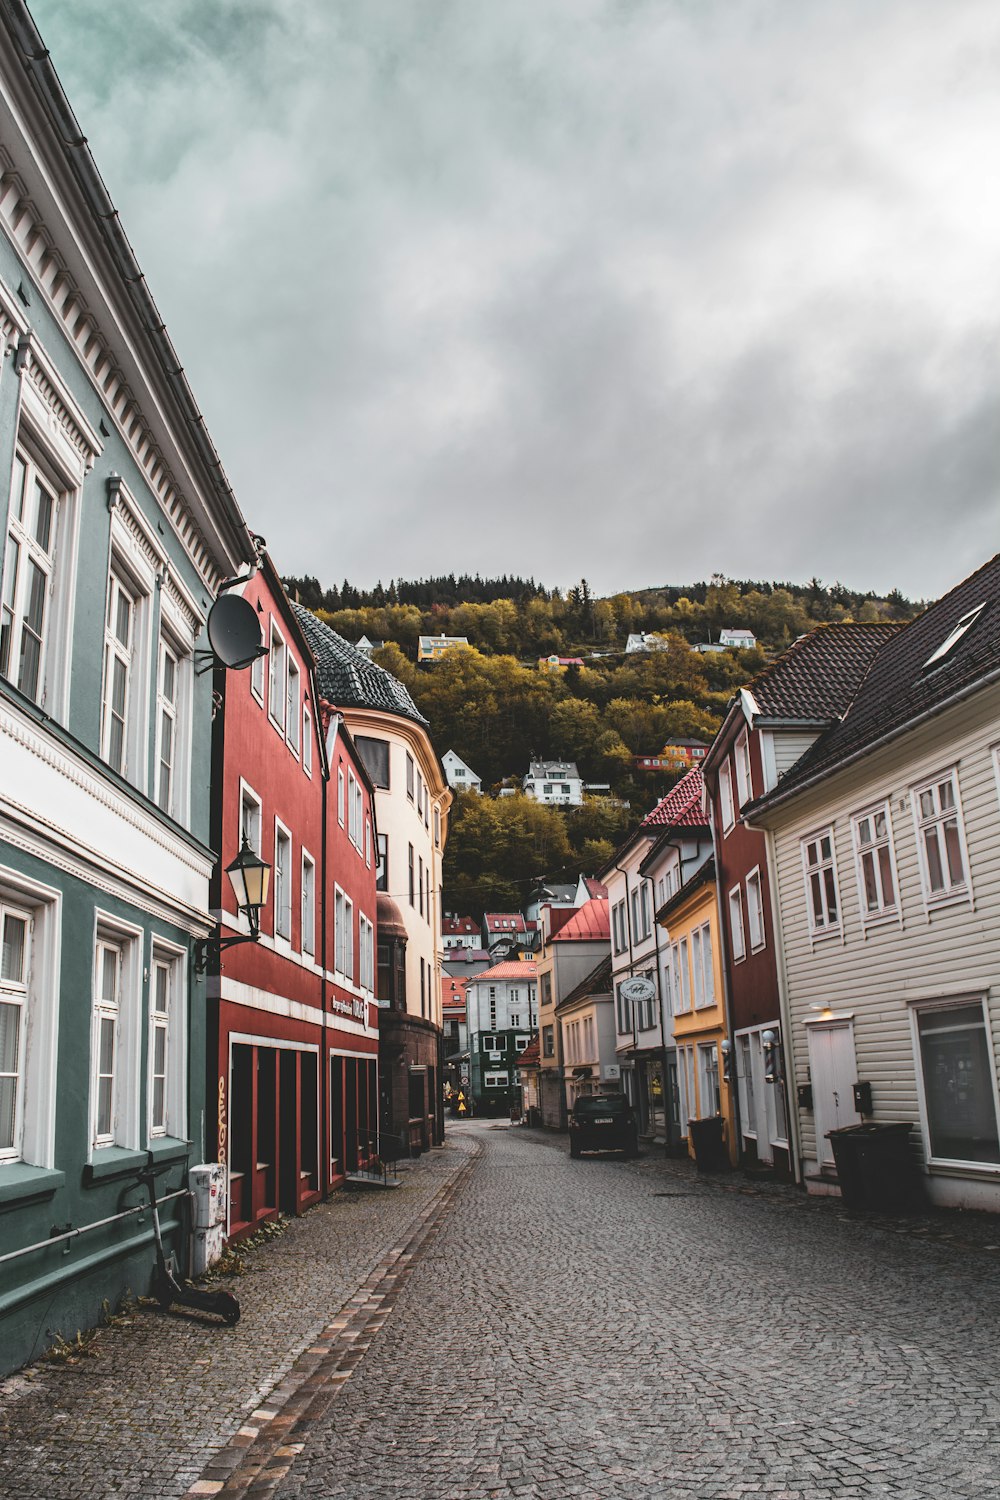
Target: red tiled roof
(456, 926)
(531, 1057)
(453, 991)
(509, 969)
(494, 920)
(594, 888)
(681, 807)
(588, 924)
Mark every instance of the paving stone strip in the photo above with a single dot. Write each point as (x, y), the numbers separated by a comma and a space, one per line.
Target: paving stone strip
(260, 1454)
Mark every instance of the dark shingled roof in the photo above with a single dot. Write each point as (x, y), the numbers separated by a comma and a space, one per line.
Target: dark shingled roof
(818, 676)
(347, 678)
(899, 687)
(597, 982)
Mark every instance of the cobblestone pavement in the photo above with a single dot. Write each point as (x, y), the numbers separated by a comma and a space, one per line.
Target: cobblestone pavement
(600, 1328)
(514, 1323)
(157, 1399)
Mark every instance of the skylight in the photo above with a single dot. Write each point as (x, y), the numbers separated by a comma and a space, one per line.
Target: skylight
(951, 640)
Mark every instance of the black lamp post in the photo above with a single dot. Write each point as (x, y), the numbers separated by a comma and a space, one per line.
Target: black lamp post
(250, 877)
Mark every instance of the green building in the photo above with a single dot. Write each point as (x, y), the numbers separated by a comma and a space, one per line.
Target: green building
(118, 528)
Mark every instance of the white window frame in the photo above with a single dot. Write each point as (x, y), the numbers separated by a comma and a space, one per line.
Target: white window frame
(307, 901)
(31, 553)
(283, 898)
(293, 705)
(827, 927)
(15, 995)
(366, 944)
(708, 1069)
(257, 678)
(958, 891)
(886, 910)
(495, 1080)
(110, 934)
(341, 796)
(737, 928)
(277, 678)
(953, 1002)
(703, 965)
(126, 656)
(726, 805)
(744, 772)
(307, 744)
(343, 935)
(755, 910)
(37, 1090)
(178, 804)
(172, 959)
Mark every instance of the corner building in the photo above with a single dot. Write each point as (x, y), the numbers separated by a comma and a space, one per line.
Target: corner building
(412, 799)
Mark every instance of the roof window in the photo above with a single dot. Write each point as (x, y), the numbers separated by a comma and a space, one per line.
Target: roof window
(951, 640)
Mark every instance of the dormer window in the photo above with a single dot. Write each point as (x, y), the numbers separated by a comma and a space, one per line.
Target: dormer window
(951, 640)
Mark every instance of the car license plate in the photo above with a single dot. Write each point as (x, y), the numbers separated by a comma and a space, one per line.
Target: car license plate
(604, 1120)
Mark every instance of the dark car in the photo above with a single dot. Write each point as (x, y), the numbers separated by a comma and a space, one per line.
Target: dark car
(603, 1122)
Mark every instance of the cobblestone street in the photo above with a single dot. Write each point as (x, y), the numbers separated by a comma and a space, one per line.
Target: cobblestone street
(514, 1323)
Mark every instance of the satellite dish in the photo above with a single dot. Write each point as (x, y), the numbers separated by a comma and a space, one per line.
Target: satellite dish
(234, 631)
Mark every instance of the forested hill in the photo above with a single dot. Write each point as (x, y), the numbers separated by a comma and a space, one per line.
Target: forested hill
(520, 617)
(497, 708)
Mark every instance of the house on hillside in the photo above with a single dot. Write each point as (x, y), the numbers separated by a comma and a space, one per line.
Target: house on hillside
(641, 641)
(885, 832)
(557, 783)
(769, 725)
(367, 647)
(460, 776)
(676, 755)
(735, 637)
(433, 647)
(556, 663)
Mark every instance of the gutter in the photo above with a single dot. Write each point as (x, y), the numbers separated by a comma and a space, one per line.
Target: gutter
(778, 798)
(37, 62)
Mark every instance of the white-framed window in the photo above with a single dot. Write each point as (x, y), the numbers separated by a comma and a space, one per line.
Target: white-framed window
(166, 1070)
(359, 815)
(382, 863)
(687, 1102)
(343, 935)
(277, 675)
(250, 818)
(168, 694)
(307, 741)
(618, 920)
(496, 1080)
(944, 865)
(28, 578)
(117, 739)
(410, 773)
(624, 1008)
(375, 754)
(115, 1057)
(308, 899)
(681, 960)
(107, 1009)
(745, 1083)
(15, 959)
(412, 875)
(368, 842)
(820, 868)
(744, 778)
(876, 867)
(708, 1079)
(341, 796)
(366, 944)
(952, 639)
(702, 966)
(420, 884)
(353, 830)
(257, 679)
(737, 934)
(293, 705)
(959, 1103)
(726, 809)
(282, 882)
(755, 911)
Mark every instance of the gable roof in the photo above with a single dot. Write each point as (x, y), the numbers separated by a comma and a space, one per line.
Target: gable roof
(531, 1057)
(819, 674)
(455, 926)
(494, 921)
(509, 969)
(588, 924)
(681, 807)
(347, 678)
(901, 686)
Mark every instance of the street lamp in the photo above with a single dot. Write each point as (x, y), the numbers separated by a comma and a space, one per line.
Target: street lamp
(250, 876)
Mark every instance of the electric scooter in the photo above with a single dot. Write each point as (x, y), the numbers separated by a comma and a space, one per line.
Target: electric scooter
(166, 1288)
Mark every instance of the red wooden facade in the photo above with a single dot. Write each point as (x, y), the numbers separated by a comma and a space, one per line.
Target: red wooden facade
(293, 1023)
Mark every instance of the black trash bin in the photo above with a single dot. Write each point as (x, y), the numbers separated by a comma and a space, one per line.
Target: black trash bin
(875, 1168)
(709, 1142)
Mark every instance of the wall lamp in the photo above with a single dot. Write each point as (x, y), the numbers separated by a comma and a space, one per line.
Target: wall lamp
(772, 1056)
(250, 877)
(728, 1060)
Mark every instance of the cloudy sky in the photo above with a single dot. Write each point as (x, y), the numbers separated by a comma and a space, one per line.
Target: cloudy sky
(636, 290)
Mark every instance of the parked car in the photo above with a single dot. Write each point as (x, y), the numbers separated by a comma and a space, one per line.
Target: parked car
(603, 1122)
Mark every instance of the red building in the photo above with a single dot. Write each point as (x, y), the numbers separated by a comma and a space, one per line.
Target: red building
(293, 1026)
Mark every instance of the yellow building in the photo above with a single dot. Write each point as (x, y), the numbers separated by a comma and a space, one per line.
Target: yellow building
(696, 1000)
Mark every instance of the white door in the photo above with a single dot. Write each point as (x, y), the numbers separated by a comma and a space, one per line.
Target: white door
(834, 1070)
